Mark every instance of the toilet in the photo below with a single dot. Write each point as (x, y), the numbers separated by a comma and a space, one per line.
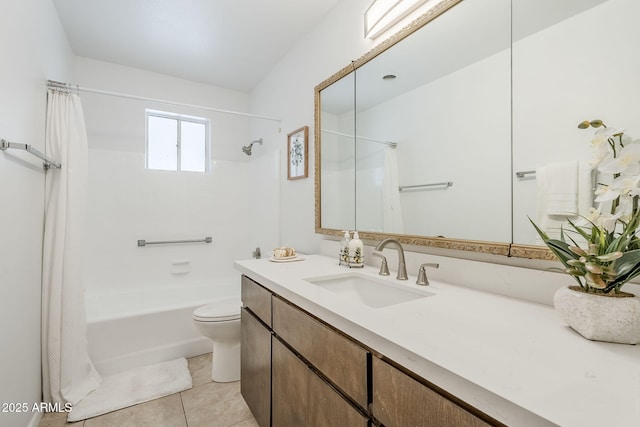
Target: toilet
(220, 321)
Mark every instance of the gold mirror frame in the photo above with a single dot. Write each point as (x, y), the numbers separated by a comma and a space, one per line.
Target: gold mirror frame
(485, 247)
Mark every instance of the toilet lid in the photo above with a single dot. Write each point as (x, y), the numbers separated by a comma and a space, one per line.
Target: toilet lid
(219, 311)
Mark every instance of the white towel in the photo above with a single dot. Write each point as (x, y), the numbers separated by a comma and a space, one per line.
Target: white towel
(558, 184)
(564, 191)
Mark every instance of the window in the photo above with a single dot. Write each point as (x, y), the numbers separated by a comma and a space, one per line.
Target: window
(177, 142)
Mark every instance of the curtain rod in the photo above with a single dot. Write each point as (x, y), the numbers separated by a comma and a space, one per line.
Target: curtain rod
(59, 85)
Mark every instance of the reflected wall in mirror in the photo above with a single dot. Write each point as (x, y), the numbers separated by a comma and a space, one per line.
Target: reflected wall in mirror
(337, 159)
(573, 60)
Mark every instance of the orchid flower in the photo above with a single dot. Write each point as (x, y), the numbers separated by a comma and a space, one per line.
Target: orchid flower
(610, 231)
(627, 161)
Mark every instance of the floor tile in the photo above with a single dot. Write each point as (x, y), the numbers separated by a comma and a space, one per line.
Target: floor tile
(57, 419)
(200, 368)
(207, 404)
(251, 422)
(215, 405)
(163, 412)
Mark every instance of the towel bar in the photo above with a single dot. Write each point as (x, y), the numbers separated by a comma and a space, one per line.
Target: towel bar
(523, 174)
(169, 242)
(419, 186)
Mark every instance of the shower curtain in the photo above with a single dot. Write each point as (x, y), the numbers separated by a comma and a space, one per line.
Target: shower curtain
(68, 373)
(391, 210)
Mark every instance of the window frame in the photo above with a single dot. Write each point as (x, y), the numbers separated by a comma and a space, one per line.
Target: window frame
(179, 118)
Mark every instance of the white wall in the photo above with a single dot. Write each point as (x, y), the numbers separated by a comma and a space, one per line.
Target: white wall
(128, 202)
(33, 48)
(287, 92)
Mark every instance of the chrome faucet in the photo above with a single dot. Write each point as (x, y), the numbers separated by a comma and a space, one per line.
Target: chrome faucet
(422, 273)
(402, 268)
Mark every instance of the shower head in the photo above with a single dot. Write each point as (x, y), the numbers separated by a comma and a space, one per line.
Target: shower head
(247, 148)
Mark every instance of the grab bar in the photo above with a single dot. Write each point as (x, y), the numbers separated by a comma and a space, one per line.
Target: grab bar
(28, 148)
(413, 187)
(168, 242)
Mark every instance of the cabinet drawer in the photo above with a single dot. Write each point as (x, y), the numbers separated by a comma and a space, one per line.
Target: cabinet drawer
(257, 299)
(328, 408)
(341, 360)
(399, 400)
(301, 398)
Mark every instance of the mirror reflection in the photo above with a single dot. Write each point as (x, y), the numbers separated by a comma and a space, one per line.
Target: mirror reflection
(572, 61)
(442, 97)
(486, 90)
(337, 158)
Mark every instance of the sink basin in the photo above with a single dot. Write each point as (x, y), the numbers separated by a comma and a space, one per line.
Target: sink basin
(368, 291)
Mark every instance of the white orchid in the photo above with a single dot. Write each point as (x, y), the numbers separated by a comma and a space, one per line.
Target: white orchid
(622, 185)
(601, 143)
(626, 162)
(604, 221)
(612, 256)
(601, 138)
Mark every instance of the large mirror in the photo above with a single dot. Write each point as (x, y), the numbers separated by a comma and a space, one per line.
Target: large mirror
(422, 137)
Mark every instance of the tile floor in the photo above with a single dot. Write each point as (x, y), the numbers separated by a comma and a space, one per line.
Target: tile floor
(207, 404)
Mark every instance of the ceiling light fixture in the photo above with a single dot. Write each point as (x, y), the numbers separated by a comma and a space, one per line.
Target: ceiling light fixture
(383, 14)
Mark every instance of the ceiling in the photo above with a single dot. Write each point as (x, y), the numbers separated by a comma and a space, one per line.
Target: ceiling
(227, 43)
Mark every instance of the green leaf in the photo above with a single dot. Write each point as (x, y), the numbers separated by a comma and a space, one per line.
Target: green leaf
(627, 267)
(580, 231)
(559, 248)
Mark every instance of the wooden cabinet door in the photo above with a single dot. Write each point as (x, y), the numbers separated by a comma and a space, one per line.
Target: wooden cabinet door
(255, 367)
(289, 387)
(399, 400)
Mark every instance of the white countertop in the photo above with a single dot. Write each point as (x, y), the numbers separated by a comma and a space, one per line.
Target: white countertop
(515, 360)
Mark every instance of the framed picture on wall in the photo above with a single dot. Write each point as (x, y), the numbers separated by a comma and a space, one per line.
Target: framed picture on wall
(298, 148)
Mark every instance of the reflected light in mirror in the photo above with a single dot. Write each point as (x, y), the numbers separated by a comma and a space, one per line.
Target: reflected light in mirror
(383, 14)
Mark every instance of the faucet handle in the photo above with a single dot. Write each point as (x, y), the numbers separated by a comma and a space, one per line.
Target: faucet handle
(422, 273)
(384, 268)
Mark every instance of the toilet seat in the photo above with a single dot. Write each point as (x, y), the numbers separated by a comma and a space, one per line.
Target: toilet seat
(219, 311)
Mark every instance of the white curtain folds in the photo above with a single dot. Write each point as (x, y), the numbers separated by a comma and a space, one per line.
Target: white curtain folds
(68, 373)
(392, 221)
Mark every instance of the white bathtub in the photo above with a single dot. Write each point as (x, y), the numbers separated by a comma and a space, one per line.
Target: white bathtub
(143, 326)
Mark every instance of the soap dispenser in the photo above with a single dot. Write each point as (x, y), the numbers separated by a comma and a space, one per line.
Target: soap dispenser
(356, 255)
(343, 256)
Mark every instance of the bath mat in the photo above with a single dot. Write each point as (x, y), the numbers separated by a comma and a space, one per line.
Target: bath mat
(132, 387)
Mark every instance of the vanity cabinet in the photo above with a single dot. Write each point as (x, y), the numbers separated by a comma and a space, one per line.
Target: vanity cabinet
(297, 370)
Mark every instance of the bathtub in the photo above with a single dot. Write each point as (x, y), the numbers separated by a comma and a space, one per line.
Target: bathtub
(143, 326)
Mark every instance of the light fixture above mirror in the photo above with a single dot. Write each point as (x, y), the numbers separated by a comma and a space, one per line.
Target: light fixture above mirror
(384, 14)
